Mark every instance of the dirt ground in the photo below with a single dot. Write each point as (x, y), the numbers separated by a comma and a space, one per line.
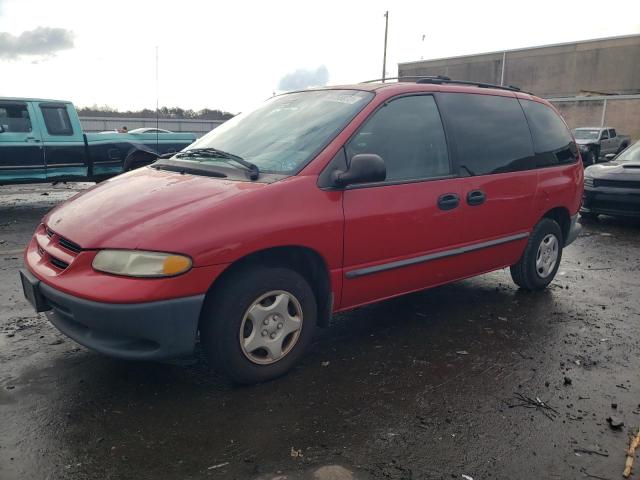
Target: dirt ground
(426, 386)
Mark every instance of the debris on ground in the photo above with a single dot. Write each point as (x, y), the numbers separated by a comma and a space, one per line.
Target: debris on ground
(325, 364)
(538, 404)
(220, 465)
(567, 381)
(631, 453)
(462, 352)
(467, 477)
(296, 453)
(590, 451)
(615, 422)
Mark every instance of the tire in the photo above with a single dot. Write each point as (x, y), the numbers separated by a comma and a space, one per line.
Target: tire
(589, 216)
(137, 160)
(527, 273)
(227, 313)
(589, 159)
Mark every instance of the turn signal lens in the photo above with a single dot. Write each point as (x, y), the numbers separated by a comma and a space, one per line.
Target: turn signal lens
(136, 263)
(175, 265)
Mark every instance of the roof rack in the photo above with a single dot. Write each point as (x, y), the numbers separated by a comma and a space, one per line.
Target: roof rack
(441, 80)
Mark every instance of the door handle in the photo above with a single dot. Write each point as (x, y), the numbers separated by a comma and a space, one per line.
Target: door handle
(476, 197)
(31, 139)
(448, 201)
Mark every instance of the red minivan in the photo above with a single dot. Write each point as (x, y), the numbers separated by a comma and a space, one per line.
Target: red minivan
(315, 202)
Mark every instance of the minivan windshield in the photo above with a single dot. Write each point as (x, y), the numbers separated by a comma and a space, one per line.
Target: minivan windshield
(631, 154)
(586, 133)
(284, 133)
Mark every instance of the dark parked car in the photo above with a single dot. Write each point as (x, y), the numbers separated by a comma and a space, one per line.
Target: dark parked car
(613, 188)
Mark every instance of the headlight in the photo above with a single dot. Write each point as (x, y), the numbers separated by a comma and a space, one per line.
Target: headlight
(136, 263)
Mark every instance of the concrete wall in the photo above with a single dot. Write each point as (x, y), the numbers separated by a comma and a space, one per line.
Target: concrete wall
(576, 77)
(605, 66)
(100, 124)
(623, 114)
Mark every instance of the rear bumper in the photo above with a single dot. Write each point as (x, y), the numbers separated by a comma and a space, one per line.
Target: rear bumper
(574, 230)
(611, 201)
(141, 331)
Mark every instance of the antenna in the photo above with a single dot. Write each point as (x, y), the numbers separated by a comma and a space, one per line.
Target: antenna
(384, 56)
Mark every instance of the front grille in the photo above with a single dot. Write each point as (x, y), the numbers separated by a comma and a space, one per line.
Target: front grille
(56, 250)
(588, 182)
(58, 263)
(69, 245)
(616, 183)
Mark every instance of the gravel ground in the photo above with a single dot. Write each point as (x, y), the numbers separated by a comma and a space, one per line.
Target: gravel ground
(438, 384)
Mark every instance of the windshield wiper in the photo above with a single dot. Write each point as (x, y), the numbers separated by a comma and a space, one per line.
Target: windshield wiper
(252, 168)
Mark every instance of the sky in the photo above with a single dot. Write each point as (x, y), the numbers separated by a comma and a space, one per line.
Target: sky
(231, 55)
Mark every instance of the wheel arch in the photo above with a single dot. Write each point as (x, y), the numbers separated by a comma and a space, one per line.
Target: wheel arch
(304, 260)
(135, 154)
(562, 217)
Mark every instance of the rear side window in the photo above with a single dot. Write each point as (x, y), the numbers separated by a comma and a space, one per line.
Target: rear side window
(408, 134)
(57, 120)
(551, 138)
(14, 117)
(490, 133)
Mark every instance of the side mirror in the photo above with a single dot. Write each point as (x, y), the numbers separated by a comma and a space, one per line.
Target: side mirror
(364, 168)
(610, 156)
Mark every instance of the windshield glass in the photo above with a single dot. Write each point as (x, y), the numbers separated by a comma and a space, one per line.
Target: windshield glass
(284, 133)
(586, 133)
(631, 154)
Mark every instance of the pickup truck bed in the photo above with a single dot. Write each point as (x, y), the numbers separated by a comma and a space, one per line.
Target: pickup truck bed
(42, 141)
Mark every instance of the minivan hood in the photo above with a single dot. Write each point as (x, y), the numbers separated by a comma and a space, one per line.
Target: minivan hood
(125, 211)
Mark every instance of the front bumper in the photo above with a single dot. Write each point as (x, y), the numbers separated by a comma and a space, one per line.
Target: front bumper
(624, 202)
(158, 330)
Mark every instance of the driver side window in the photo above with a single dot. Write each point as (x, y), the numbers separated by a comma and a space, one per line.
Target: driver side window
(408, 134)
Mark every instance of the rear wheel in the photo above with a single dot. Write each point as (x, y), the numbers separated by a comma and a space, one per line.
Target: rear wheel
(258, 322)
(541, 259)
(138, 160)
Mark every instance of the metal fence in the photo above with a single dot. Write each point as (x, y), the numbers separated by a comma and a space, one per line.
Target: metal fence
(621, 112)
(101, 124)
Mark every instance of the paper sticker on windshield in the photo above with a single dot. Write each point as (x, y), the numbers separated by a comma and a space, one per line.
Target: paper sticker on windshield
(348, 99)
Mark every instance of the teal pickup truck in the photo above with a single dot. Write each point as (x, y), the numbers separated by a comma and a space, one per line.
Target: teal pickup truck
(42, 141)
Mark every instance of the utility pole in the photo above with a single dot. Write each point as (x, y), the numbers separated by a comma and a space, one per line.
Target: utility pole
(157, 104)
(384, 57)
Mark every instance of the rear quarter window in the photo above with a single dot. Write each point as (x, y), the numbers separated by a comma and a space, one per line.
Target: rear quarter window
(490, 133)
(57, 120)
(552, 140)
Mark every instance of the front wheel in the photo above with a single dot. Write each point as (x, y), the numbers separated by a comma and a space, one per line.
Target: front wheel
(541, 259)
(258, 323)
(589, 158)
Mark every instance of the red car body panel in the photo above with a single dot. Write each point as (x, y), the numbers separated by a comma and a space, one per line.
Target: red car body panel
(217, 222)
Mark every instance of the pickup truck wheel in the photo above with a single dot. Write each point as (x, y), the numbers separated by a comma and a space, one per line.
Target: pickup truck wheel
(541, 259)
(589, 158)
(136, 160)
(258, 322)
